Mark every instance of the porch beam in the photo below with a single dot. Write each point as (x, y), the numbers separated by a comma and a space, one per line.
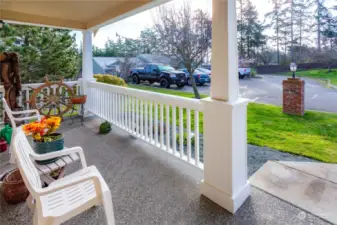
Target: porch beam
(43, 21)
(225, 117)
(123, 11)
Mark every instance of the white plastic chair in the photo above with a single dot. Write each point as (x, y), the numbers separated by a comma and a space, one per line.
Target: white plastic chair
(66, 197)
(36, 116)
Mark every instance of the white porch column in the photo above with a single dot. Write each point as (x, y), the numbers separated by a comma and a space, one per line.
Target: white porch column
(87, 66)
(225, 117)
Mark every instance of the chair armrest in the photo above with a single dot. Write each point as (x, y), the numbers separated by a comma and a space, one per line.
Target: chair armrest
(64, 152)
(27, 118)
(26, 111)
(77, 180)
(36, 116)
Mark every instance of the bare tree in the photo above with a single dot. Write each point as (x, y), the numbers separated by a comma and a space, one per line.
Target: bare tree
(125, 67)
(185, 35)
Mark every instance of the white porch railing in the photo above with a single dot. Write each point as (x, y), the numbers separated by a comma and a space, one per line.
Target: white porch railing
(27, 90)
(159, 119)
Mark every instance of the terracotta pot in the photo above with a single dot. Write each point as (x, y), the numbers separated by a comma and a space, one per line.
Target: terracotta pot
(82, 99)
(14, 189)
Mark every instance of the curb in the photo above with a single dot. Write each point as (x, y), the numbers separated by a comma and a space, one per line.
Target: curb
(328, 83)
(257, 77)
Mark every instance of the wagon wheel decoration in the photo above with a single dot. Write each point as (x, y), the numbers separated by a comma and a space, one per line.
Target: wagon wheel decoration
(50, 102)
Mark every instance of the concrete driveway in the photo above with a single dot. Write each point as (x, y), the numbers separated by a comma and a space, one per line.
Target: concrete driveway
(269, 90)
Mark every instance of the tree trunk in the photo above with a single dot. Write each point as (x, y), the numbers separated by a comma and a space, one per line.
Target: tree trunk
(241, 29)
(194, 86)
(277, 39)
(318, 25)
(292, 31)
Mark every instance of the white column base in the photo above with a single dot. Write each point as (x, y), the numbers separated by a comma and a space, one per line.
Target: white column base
(230, 203)
(225, 153)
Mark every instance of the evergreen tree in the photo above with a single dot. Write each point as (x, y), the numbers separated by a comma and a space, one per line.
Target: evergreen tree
(320, 10)
(303, 21)
(42, 51)
(275, 22)
(241, 27)
(329, 27)
(250, 30)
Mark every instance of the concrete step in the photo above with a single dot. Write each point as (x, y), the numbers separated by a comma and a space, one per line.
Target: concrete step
(309, 186)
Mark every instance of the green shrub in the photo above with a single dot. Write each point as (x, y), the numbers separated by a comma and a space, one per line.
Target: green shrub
(105, 128)
(253, 72)
(110, 79)
(185, 139)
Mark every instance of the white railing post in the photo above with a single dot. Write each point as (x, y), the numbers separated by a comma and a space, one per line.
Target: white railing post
(87, 64)
(225, 117)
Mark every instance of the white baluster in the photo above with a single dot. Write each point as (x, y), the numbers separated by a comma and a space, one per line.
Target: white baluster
(133, 115)
(151, 122)
(168, 127)
(196, 140)
(141, 119)
(188, 127)
(137, 116)
(146, 121)
(119, 110)
(156, 123)
(174, 127)
(181, 132)
(129, 113)
(111, 106)
(161, 126)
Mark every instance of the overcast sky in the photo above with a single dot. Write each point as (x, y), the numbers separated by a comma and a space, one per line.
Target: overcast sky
(131, 27)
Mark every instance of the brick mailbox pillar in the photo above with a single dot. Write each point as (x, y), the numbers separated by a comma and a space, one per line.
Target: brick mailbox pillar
(293, 96)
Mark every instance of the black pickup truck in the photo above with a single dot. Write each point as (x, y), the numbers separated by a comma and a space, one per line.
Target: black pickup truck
(164, 75)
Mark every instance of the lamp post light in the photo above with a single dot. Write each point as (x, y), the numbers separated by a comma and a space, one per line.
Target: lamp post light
(293, 68)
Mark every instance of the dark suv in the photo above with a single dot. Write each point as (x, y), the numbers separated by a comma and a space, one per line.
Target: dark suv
(164, 75)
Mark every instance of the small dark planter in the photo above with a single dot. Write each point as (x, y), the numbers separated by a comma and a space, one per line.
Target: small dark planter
(47, 147)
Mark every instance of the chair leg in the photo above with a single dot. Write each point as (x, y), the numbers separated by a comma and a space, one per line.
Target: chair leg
(30, 202)
(108, 208)
(41, 221)
(11, 159)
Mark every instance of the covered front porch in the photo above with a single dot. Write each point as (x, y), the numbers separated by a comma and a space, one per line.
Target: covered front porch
(154, 176)
(164, 120)
(151, 187)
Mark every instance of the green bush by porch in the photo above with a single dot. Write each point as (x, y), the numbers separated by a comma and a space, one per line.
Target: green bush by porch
(314, 135)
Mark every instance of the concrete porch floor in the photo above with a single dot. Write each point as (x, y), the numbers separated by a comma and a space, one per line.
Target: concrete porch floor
(150, 187)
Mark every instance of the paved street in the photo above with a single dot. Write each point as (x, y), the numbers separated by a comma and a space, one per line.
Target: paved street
(269, 90)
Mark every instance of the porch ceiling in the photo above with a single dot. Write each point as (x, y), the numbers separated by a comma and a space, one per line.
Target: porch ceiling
(73, 14)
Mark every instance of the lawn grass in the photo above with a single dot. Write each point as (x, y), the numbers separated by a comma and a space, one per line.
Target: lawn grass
(314, 135)
(319, 73)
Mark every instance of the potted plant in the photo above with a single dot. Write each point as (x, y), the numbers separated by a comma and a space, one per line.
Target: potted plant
(44, 136)
(79, 99)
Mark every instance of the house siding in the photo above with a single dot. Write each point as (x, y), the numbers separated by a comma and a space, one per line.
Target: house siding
(97, 69)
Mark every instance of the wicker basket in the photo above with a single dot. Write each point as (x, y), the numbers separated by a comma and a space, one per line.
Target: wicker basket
(14, 189)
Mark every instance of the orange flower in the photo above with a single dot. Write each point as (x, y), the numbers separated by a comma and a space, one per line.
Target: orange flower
(46, 126)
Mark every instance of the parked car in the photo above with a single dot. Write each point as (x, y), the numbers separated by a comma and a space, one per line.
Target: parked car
(203, 70)
(243, 72)
(200, 77)
(164, 75)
